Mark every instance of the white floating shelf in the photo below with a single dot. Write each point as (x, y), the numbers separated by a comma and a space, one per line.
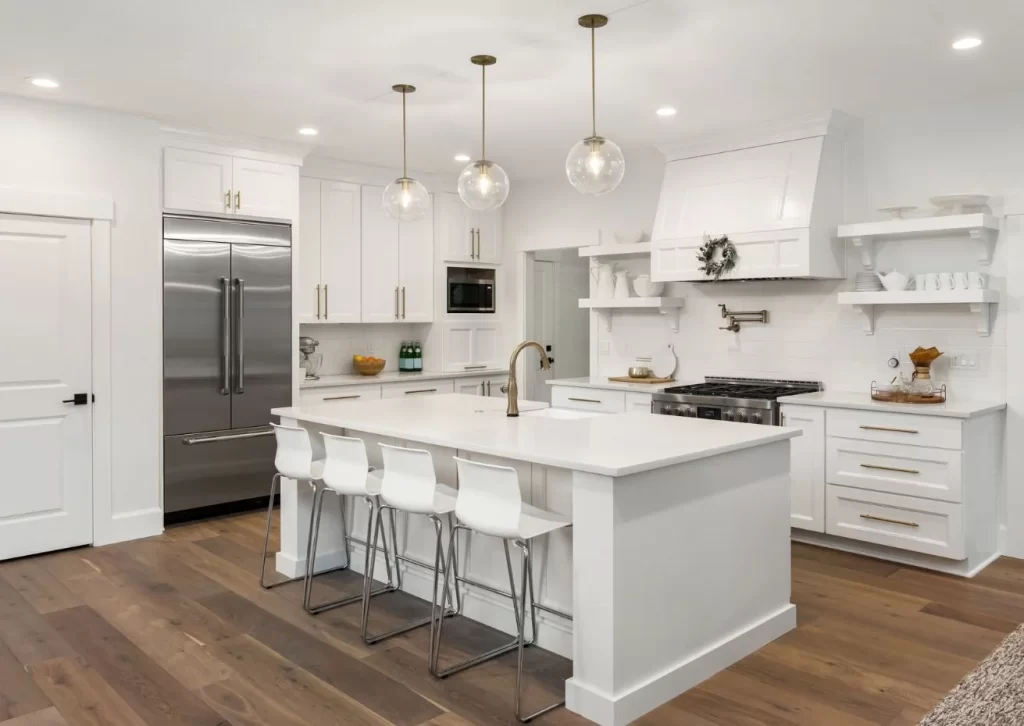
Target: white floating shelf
(637, 249)
(668, 306)
(979, 302)
(983, 229)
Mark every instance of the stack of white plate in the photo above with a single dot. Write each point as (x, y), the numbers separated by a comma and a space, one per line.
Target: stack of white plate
(868, 282)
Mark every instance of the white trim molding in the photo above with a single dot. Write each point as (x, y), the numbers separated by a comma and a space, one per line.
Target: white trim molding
(55, 204)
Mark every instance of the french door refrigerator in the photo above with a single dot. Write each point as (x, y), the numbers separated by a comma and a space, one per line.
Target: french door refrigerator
(227, 357)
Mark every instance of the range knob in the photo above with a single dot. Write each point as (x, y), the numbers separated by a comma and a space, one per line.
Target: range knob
(755, 418)
(691, 412)
(666, 411)
(741, 417)
(727, 416)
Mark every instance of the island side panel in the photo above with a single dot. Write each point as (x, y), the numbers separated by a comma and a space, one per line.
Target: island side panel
(686, 569)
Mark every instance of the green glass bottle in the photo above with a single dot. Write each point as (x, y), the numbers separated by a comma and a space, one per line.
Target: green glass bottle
(403, 357)
(418, 357)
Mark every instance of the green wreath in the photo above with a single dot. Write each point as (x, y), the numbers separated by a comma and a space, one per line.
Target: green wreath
(717, 256)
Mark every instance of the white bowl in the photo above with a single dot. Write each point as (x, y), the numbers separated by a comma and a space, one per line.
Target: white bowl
(643, 286)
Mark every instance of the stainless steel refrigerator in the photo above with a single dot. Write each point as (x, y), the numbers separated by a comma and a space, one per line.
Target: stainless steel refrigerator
(227, 357)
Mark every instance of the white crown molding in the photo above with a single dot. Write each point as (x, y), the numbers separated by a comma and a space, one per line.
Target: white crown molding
(248, 148)
(54, 204)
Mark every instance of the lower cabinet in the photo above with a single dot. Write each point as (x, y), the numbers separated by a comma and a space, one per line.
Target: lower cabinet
(599, 400)
(470, 346)
(639, 402)
(334, 394)
(418, 388)
(482, 386)
(807, 467)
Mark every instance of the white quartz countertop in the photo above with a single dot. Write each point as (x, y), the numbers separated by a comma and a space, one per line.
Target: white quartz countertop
(952, 408)
(605, 385)
(354, 379)
(613, 445)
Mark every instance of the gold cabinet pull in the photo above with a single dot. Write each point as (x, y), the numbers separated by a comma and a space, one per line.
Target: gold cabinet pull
(327, 305)
(342, 398)
(227, 200)
(472, 244)
(421, 390)
(403, 302)
(876, 518)
(890, 468)
(396, 303)
(584, 400)
(317, 302)
(887, 428)
(238, 201)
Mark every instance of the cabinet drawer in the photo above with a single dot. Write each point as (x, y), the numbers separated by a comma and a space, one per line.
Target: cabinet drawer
(916, 471)
(907, 523)
(638, 402)
(588, 399)
(338, 394)
(418, 388)
(895, 428)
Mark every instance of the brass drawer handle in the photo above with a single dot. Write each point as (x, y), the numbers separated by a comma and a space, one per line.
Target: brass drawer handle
(584, 400)
(887, 428)
(342, 398)
(890, 468)
(474, 368)
(238, 201)
(422, 390)
(890, 521)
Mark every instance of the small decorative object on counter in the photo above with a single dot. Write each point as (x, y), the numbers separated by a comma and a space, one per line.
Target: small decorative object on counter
(717, 257)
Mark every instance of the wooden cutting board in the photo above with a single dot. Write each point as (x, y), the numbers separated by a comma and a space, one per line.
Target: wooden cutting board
(627, 379)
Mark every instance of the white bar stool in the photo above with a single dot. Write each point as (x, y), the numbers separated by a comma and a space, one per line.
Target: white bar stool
(490, 502)
(346, 473)
(410, 485)
(298, 457)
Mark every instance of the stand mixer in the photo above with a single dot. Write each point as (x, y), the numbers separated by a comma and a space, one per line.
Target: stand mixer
(309, 359)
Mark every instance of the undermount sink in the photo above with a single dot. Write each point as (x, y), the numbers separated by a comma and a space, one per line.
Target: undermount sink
(566, 414)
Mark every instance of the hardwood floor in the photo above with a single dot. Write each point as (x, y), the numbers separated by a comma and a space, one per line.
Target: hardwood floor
(176, 630)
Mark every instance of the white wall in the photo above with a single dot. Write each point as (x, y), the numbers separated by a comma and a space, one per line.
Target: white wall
(58, 148)
(909, 156)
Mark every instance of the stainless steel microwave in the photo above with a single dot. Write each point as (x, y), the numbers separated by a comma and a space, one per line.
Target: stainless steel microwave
(470, 290)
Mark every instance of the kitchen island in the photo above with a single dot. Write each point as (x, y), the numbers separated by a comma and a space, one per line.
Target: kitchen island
(678, 556)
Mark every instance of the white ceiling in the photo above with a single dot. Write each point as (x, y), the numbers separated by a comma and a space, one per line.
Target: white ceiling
(266, 67)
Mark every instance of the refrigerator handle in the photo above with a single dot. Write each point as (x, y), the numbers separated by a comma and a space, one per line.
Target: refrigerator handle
(240, 336)
(225, 383)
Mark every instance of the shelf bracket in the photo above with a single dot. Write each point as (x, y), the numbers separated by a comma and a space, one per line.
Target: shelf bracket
(868, 311)
(866, 245)
(985, 238)
(983, 317)
(606, 319)
(672, 314)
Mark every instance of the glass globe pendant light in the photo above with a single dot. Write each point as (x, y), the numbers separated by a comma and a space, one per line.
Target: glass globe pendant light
(405, 199)
(595, 165)
(483, 184)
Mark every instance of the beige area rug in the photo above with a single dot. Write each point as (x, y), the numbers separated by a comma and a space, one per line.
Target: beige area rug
(991, 695)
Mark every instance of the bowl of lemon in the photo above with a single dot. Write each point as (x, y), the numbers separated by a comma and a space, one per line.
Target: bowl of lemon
(368, 365)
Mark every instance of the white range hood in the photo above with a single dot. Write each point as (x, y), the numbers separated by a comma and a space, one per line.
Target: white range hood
(777, 193)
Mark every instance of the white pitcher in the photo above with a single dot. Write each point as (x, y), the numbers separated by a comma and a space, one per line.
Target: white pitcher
(621, 284)
(604, 277)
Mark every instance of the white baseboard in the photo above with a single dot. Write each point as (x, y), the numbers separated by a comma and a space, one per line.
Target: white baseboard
(963, 568)
(130, 525)
(622, 708)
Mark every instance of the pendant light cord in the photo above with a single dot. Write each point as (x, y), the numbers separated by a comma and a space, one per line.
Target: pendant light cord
(405, 172)
(593, 80)
(483, 114)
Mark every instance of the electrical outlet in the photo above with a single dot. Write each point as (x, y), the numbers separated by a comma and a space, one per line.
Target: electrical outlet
(965, 360)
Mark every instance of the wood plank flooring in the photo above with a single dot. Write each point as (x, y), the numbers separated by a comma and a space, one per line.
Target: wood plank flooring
(176, 630)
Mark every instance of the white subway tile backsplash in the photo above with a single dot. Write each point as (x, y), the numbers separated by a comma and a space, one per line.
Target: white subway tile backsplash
(339, 343)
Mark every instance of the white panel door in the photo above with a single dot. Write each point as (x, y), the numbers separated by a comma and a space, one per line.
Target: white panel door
(340, 252)
(471, 386)
(263, 188)
(455, 234)
(45, 358)
(485, 345)
(379, 260)
(309, 296)
(416, 269)
(488, 235)
(458, 347)
(807, 466)
(197, 181)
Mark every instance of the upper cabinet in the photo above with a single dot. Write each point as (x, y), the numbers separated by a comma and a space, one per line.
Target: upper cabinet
(202, 181)
(778, 200)
(397, 265)
(467, 236)
(329, 253)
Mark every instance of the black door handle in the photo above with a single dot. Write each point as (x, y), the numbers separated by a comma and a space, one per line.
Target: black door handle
(80, 399)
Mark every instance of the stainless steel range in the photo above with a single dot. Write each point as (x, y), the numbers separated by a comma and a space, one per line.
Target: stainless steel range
(746, 400)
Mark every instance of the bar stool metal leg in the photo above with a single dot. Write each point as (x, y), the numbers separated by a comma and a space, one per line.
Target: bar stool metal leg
(274, 483)
(527, 583)
(311, 557)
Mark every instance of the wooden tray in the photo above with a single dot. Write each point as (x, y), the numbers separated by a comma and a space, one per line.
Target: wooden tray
(627, 379)
(938, 396)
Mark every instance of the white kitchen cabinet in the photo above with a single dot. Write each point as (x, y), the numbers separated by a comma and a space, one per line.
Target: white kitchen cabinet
(466, 235)
(338, 394)
(397, 265)
(638, 402)
(418, 388)
(470, 346)
(581, 398)
(482, 386)
(330, 279)
(807, 466)
(202, 181)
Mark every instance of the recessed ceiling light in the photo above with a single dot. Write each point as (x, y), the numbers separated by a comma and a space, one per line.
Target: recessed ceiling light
(966, 43)
(308, 131)
(666, 111)
(462, 158)
(40, 82)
